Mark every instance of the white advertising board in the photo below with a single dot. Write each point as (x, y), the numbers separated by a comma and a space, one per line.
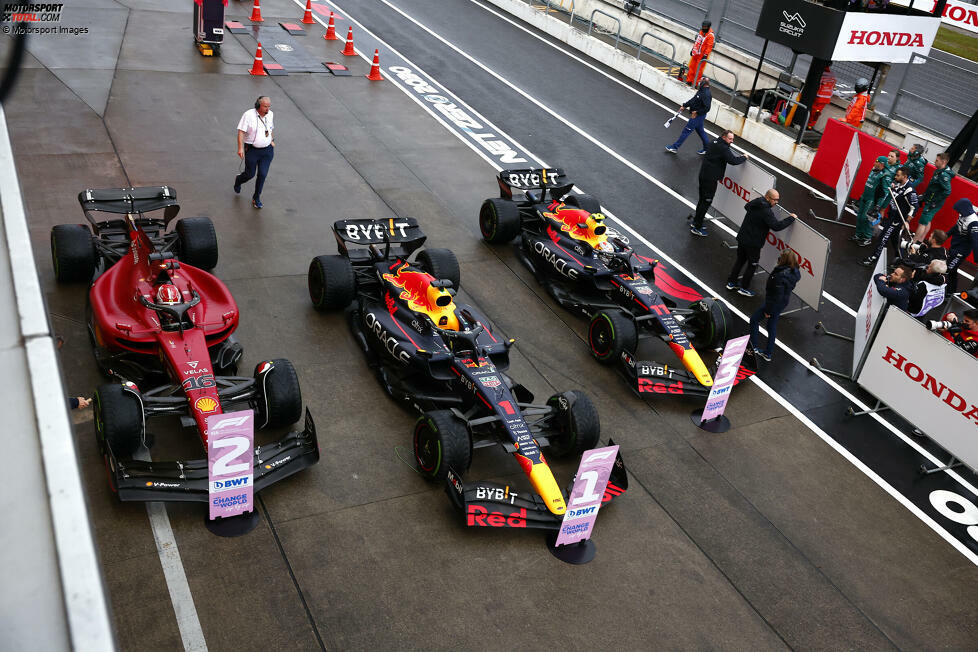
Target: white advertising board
(847, 176)
(813, 252)
(959, 14)
(868, 314)
(742, 183)
(884, 37)
(927, 380)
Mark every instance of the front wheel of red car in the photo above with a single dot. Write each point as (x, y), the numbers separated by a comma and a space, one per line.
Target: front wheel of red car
(611, 333)
(119, 422)
(441, 441)
(279, 399)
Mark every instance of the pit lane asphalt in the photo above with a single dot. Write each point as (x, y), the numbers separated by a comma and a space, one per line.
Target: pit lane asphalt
(760, 538)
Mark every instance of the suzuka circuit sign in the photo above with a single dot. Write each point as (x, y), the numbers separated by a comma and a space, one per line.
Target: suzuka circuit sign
(585, 498)
(230, 463)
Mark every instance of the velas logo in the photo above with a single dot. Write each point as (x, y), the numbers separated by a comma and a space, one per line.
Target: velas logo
(898, 39)
(939, 390)
(793, 24)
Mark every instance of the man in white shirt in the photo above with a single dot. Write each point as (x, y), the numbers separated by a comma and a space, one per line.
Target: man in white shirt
(256, 146)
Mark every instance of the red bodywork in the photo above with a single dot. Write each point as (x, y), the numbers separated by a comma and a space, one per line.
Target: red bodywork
(122, 323)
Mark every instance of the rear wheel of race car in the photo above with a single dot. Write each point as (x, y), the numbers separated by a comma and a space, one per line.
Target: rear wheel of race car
(710, 323)
(73, 253)
(610, 333)
(584, 202)
(332, 283)
(118, 421)
(442, 264)
(576, 423)
(441, 441)
(499, 220)
(197, 242)
(279, 400)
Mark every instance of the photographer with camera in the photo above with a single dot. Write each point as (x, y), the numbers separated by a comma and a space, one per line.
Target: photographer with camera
(896, 286)
(963, 332)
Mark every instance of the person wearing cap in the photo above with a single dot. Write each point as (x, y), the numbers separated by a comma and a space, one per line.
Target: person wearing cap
(937, 191)
(873, 197)
(903, 203)
(856, 112)
(702, 47)
(699, 106)
(916, 163)
(964, 241)
(825, 89)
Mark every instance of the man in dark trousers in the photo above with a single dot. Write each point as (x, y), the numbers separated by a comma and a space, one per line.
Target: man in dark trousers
(758, 221)
(896, 287)
(874, 196)
(699, 106)
(713, 169)
(903, 203)
(964, 241)
(256, 145)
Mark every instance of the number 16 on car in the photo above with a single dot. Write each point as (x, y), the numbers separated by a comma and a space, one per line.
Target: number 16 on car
(586, 496)
(230, 463)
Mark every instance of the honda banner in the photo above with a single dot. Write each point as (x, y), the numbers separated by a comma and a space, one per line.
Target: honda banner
(871, 37)
(230, 463)
(813, 255)
(586, 495)
(743, 183)
(959, 14)
(927, 380)
(847, 175)
(870, 309)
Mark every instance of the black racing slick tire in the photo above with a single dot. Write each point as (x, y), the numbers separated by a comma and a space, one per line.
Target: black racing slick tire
(73, 253)
(441, 441)
(119, 420)
(198, 242)
(710, 323)
(332, 283)
(584, 202)
(610, 333)
(499, 220)
(576, 424)
(442, 264)
(279, 397)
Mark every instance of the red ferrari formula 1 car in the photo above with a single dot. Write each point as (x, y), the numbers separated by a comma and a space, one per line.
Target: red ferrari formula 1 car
(162, 327)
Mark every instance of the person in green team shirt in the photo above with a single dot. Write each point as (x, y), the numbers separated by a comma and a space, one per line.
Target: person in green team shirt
(873, 197)
(916, 163)
(892, 163)
(937, 192)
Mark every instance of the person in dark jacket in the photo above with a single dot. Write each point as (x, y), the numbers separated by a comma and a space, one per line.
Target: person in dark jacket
(699, 106)
(713, 169)
(758, 221)
(916, 164)
(964, 240)
(903, 204)
(873, 197)
(780, 284)
(896, 287)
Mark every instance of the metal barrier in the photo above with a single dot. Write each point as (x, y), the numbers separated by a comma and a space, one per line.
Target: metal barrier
(786, 98)
(590, 24)
(550, 4)
(931, 114)
(704, 63)
(641, 41)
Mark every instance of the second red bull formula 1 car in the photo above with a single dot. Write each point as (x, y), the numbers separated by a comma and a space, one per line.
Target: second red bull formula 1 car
(594, 272)
(442, 359)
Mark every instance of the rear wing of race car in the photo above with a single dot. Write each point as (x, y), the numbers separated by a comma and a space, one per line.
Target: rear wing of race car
(135, 201)
(490, 504)
(525, 181)
(401, 231)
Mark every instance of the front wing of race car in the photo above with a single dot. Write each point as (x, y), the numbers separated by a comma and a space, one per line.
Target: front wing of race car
(490, 504)
(187, 481)
(652, 378)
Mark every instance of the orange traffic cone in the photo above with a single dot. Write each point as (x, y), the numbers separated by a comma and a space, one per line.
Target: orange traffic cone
(258, 68)
(331, 29)
(348, 50)
(307, 17)
(374, 74)
(256, 12)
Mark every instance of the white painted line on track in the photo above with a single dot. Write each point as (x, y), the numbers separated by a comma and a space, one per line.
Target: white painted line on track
(777, 397)
(581, 132)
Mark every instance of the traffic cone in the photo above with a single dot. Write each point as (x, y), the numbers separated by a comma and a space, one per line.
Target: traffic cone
(258, 68)
(374, 74)
(348, 50)
(307, 17)
(256, 13)
(331, 29)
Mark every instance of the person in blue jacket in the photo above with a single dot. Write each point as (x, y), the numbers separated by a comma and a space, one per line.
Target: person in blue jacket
(964, 241)
(896, 287)
(780, 284)
(699, 106)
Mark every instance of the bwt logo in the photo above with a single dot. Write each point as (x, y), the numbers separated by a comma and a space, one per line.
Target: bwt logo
(231, 483)
(795, 17)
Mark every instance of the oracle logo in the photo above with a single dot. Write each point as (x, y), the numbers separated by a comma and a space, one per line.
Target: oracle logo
(899, 39)
(941, 391)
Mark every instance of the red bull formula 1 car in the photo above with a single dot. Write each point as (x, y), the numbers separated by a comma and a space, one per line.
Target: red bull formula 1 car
(592, 271)
(162, 327)
(442, 359)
